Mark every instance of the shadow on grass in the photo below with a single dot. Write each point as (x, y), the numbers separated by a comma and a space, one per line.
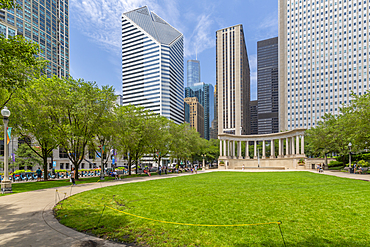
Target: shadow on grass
(105, 224)
(314, 241)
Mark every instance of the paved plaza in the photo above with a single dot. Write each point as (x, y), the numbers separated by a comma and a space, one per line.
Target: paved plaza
(26, 219)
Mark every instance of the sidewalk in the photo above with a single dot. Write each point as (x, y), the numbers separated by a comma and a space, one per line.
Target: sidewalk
(26, 219)
(365, 177)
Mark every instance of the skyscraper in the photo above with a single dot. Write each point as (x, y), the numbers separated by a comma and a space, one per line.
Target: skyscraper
(45, 22)
(196, 114)
(232, 81)
(193, 72)
(152, 64)
(267, 86)
(254, 117)
(323, 57)
(205, 95)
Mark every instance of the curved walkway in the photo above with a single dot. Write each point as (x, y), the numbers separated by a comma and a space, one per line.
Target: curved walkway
(26, 219)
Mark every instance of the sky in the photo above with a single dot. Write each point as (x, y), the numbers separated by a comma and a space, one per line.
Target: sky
(95, 33)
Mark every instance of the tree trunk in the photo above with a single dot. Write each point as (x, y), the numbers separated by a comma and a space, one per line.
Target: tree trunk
(129, 165)
(45, 168)
(76, 171)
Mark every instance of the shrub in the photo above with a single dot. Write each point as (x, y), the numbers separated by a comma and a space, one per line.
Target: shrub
(334, 163)
(222, 162)
(62, 170)
(363, 163)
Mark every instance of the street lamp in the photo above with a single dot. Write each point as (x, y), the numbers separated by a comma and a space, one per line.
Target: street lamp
(349, 147)
(204, 163)
(6, 185)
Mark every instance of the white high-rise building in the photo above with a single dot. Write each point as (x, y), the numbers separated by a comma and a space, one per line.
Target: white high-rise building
(152, 64)
(323, 57)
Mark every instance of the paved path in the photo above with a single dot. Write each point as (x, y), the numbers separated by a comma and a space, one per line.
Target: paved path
(26, 219)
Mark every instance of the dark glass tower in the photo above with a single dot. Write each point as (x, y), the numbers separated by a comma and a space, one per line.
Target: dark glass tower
(193, 72)
(267, 86)
(45, 22)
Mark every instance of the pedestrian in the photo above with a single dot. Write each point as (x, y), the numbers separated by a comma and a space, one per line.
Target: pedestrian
(243, 168)
(355, 168)
(318, 167)
(159, 170)
(73, 176)
(38, 172)
(196, 169)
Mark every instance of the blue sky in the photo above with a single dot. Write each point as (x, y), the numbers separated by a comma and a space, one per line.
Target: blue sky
(95, 33)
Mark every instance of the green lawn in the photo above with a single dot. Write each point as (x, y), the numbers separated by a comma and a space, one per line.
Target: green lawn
(19, 187)
(316, 210)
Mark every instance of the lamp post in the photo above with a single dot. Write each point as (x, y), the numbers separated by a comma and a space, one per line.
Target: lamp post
(204, 163)
(6, 185)
(349, 147)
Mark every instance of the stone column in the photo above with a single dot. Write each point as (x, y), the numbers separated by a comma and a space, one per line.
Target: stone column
(280, 149)
(220, 147)
(240, 150)
(297, 144)
(255, 150)
(263, 149)
(228, 148)
(247, 150)
(302, 145)
(224, 148)
(292, 144)
(287, 146)
(233, 143)
(272, 152)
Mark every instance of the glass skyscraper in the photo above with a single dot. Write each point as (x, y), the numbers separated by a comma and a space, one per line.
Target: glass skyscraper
(45, 22)
(205, 95)
(152, 64)
(267, 86)
(193, 72)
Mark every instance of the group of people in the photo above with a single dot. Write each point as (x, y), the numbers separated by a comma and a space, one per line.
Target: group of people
(358, 169)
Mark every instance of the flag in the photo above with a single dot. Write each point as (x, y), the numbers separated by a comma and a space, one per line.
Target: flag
(9, 135)
(13, 156)
(113, 160)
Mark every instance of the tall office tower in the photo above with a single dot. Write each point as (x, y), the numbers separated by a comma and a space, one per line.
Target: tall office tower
(214, 131)
(254, 117)
(152, 64)
(268, 86)
(7, 30)
(45, 22)
(323, 57)
(232, 81)
(196, 115)
(193, 72)
(205, 95)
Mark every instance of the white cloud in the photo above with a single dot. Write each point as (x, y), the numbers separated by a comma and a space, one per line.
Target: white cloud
(100, 20)
(201, 38)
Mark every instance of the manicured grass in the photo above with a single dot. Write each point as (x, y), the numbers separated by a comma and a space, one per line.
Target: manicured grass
(316, 210)
(19, 187)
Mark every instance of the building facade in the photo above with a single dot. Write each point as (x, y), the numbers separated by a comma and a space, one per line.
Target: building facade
(196, 115)
(323, 58)
(7, 30)
(254, 117)
(268, 86)
(193, 72)
(46, 23)
(232, 81)
(152, 64)
(205, 95)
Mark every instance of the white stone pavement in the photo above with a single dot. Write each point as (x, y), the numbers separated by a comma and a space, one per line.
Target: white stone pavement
(26, 219)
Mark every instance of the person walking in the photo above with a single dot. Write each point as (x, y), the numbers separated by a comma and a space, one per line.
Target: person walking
(159, 170)
(39, 173)
(243, 168)
(73, 176)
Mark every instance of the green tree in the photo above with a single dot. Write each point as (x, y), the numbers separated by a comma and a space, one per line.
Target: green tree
(134, 128)
(19, 64)
(78, 109)
(25, 157)
(32, 118)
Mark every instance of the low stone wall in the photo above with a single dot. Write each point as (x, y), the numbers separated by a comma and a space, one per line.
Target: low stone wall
(280, 163)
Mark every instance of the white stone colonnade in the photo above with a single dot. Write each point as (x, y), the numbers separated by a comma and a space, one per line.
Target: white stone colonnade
(293, 141)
